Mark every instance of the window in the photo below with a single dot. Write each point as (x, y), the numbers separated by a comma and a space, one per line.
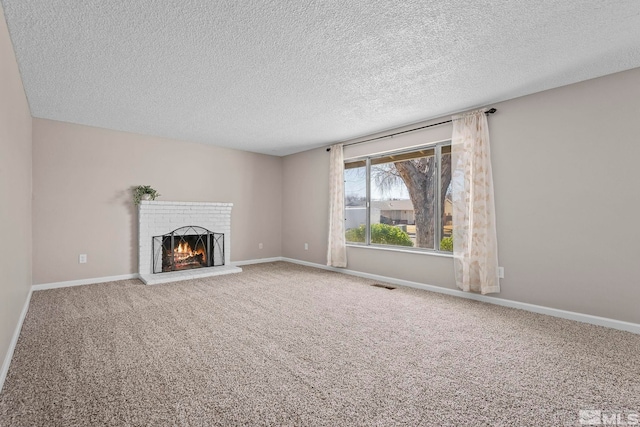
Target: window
(400, 199)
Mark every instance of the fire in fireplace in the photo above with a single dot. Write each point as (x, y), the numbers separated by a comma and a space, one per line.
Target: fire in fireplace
(187, 248)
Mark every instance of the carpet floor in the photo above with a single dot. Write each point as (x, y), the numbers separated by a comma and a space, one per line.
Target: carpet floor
(282, 344)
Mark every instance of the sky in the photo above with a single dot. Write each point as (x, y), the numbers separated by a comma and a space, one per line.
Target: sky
(355, 183)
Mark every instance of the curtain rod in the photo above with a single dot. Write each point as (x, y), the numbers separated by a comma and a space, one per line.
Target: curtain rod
(489, 111)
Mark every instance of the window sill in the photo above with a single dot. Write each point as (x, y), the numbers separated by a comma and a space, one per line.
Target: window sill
(409, 251)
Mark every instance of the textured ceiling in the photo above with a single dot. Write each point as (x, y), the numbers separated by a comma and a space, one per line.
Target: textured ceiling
(279, 77)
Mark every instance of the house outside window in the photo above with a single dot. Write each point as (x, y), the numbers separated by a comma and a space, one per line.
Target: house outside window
(400, 199)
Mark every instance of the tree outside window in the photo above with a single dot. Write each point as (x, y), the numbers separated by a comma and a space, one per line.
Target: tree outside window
(400, 199)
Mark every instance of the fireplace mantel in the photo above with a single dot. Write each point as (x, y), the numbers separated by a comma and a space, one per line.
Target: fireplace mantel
(160, 217)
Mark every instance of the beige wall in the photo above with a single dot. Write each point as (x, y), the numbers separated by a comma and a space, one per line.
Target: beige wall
(567, 200)
(15, 192)
(82, 202)
(305, 205)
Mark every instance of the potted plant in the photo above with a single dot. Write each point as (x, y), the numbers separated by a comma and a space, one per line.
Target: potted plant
(144, 192)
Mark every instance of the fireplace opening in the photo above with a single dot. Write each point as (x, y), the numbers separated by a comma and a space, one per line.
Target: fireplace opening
(187, 248)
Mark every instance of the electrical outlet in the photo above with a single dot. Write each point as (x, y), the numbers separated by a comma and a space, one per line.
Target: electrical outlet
(501, 272)
(260, 245)
(306, 246)
(82, 259)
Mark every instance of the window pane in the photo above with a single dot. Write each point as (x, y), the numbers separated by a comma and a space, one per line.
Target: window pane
(355, 201)
(446, 244)
(408, 197)
(403, 199)
(426, 152)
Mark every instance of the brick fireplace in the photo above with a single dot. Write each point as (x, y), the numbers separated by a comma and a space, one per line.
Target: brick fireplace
(157, 220)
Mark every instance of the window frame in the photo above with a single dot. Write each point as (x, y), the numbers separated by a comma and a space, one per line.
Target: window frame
(438, 221)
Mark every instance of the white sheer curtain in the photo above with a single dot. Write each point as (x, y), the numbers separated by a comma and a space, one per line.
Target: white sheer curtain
(475, 245)
(337, 251)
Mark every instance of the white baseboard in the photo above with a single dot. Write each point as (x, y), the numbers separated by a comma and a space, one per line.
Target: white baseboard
(579, 317)
(257, 261)
(91, 281)
(14, 340)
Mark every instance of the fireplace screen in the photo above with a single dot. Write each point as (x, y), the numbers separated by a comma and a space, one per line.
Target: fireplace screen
(187, 248)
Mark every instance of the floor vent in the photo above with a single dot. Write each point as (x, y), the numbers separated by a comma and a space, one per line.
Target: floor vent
(378, 285)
